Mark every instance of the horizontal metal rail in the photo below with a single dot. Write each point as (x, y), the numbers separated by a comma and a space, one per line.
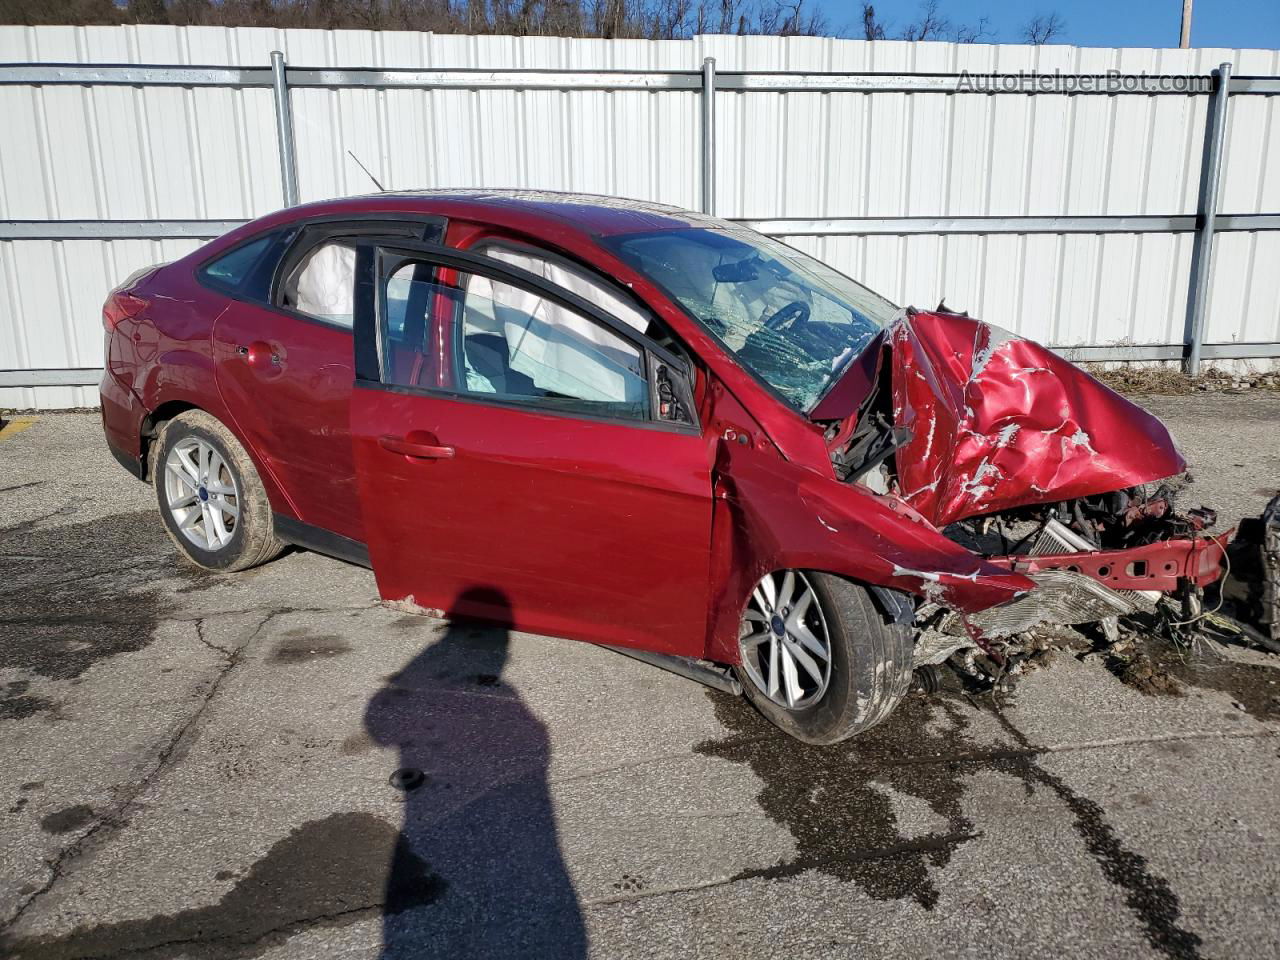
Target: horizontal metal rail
(778, 226)
(1110, 353)
(1063, 84)
(1247, 221)
(497, 79)
(134, 75)
(73, 377)
(868, 226)
(1253, 85)
(115, 229)
(970, 82)
(1167, 351)
(47, 74)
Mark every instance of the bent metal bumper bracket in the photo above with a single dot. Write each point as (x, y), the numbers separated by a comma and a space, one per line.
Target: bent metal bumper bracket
(1088, 586)
(1155, 566)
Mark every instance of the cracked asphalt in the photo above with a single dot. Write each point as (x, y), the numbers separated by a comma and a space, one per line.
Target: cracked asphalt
(198, 766)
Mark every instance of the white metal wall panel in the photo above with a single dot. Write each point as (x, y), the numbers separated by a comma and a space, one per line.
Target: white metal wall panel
(173, 153)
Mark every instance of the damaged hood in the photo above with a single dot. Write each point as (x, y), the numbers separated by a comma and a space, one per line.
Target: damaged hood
(997, 421)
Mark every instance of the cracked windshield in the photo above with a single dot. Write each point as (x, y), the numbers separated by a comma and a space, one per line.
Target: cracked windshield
(791, 320)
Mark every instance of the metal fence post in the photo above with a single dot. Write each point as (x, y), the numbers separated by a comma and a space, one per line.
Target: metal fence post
(1206, 212)
(709, 135)
(284, 130)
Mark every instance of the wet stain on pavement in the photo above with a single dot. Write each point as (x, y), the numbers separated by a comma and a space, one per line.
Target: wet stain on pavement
(301, 646)
(68, 819)
(74, 595)
(835, 800)
(1148, 895)
(1157, 667)
(357, 743)
(835, 803)
(329, 872)
(17, 704)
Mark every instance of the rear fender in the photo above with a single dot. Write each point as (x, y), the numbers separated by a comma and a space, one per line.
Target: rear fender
(187, 377)
(771, 514)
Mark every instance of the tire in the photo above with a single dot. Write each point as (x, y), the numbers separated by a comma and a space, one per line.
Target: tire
(222, 494)
(867, 672)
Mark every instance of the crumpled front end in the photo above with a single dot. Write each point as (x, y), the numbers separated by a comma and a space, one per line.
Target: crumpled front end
(1026, 461)
(998, 421)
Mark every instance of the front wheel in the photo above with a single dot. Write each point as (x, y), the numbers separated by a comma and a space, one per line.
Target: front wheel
(818, 658)
(211, 500)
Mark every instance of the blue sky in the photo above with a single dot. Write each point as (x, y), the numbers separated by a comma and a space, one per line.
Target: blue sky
(1091, 23)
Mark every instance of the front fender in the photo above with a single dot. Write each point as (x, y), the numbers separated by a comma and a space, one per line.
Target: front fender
(771, 514)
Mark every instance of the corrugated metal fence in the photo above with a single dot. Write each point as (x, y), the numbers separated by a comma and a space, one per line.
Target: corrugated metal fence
(1084, 219)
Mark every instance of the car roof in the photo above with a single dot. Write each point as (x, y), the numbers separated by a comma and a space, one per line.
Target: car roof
(589, 213)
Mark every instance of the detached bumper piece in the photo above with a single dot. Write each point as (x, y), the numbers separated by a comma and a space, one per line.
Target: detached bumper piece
(1061, 597)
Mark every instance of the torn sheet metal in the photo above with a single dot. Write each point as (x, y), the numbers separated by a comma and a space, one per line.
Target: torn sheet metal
(997, 421)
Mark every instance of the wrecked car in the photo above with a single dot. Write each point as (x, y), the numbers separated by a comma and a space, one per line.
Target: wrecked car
(644, 428)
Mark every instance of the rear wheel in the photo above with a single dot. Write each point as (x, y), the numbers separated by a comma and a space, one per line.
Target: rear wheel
(818, 658)
(212, 502)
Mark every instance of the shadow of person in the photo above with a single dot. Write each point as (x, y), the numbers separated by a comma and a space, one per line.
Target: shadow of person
(477, 871)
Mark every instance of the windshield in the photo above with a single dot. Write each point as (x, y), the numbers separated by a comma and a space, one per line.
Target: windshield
(791, 320)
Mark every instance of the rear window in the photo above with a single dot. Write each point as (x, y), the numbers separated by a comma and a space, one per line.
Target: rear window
(245, 271)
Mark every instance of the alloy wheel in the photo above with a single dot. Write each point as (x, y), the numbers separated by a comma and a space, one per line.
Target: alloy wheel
(202, 493)
(784, 642)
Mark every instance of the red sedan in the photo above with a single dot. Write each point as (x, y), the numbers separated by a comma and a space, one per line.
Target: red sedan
(637, 426)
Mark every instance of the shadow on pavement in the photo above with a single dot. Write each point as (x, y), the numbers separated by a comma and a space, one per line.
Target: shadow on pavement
(474, 871)
(482, 818)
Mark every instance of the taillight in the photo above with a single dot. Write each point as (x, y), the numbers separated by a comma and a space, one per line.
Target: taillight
(120, 306)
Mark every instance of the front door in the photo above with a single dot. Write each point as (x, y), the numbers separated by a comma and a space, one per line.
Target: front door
(515, 461)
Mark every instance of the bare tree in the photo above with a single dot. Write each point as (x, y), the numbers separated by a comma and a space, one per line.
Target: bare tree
(933, 24)
(872, 29)
(644, 19)
(1044, 28)
(789, 20)
(979, 32)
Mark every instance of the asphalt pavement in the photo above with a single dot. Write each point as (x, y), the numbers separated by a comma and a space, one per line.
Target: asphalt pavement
(200, 766)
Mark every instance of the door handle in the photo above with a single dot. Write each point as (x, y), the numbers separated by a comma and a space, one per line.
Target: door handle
(419, 451)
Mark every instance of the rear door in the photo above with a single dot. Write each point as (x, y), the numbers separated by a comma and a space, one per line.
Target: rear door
(283, 365)
(522, 455)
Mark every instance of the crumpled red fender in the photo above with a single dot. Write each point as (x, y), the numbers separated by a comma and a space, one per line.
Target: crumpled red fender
(771, 514)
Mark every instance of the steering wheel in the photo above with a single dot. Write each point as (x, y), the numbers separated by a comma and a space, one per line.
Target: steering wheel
(794, 313)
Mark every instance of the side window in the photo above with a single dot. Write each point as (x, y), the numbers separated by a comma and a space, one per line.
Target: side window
(573, 278)
(507, 342)
(246, 270)
(408, 331)
(322, 285)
